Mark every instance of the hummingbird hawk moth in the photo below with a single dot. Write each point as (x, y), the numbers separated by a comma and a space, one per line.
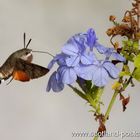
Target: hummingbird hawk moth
(18, 66)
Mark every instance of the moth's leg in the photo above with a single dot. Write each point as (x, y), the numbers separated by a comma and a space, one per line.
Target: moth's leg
(10, 81)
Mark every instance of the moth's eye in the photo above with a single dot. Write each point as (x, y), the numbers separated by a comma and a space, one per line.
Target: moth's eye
(26, 53)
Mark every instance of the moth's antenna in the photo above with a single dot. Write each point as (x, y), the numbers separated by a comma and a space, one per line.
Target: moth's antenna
(44, 52)
(24, 41)
(28, 43)
(24, 38)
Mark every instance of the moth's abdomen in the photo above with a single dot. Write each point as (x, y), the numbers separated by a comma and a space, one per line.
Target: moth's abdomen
(1, 75)
(5, 74)
(7, 68)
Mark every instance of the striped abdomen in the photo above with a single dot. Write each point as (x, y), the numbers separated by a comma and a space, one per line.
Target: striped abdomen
(7, 68)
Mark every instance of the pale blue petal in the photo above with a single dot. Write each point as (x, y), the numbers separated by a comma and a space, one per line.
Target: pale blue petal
(119, 57)
(73, 61)
(50, 65)
(59, 58)
(109, 52)
(100, 76)
(70, 49)
(101, 49)
(54, 83)
(84, 72)
(112, 69)
(91, 38)
(80, 37)
(88, 58)
(68, 75)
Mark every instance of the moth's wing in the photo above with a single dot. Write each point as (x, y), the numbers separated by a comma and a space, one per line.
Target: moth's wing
(20, 76)
(24, 71)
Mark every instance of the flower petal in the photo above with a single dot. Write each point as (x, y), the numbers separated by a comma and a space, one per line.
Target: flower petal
(50, 65)
(100, 48)
(55, 83)
(70, 49)
(85, 72)
(59, 58)
(88, 58)
(91, 38)
(108, 52)
(118, 56)
(100, 76)
(112, 69)
(68, 75)
(73, 61)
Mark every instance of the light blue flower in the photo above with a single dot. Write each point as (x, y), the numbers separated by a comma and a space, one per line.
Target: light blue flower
(99, 73)
(78, 59)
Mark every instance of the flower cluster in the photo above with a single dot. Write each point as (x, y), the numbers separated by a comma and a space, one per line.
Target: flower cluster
(78, 59)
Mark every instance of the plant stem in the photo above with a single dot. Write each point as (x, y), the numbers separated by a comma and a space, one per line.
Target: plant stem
(111, 105)
(95, 98)
(138, 17)
(96, 138)
(109, 109)
(113, 101)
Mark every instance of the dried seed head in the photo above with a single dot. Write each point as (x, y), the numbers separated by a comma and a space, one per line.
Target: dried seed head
(112, 18)
(126, 19)
(125, 102)
(138, 35)
(110, 32)
(116, 45)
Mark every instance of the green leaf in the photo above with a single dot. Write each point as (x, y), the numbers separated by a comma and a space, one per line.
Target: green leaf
(126, 68)
(116, 86)
(94, 97)
(129, 43)
(85, 85)
(125, 72)
(135, 45)
(129, 57)
(92, 111)
(94, 89)
(137, 61)
(88, 84)
(80, 93)
(136, 74)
